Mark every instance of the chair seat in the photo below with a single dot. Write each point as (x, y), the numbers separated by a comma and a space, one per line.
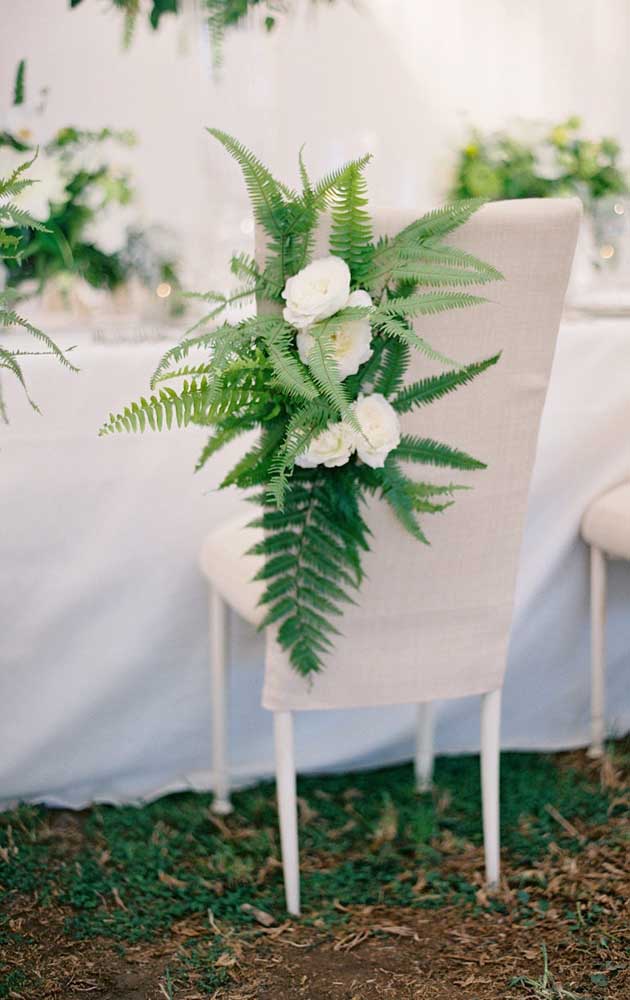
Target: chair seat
(226, 566)
(606, 523)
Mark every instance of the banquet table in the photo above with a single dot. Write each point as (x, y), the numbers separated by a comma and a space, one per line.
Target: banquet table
(104, 682)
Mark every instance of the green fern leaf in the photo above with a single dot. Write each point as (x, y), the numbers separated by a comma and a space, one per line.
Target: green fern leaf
(426, 304)
(429, 452)
(290, 372)
(351, 226)
(440, 222)
(265, 192)
(429, 389)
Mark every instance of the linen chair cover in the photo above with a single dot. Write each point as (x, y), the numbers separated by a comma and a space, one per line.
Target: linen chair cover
(434, 621)
(606, 523)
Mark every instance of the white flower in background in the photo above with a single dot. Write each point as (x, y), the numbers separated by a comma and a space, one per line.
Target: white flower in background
(380, 429)
(49, 186)
(352, 341)
(332, 447)
(316, 292)
(108, 229)
(24, 122)
(547, 165)
(92, 156)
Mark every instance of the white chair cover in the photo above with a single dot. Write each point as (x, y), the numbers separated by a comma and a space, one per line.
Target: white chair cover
(434, 622)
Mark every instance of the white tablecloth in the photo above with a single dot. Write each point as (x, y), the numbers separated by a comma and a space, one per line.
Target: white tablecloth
(104, 688)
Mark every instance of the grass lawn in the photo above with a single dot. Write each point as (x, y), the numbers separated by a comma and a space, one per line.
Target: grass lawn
(169, 901)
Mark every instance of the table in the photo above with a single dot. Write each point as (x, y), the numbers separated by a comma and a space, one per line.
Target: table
(103, 646)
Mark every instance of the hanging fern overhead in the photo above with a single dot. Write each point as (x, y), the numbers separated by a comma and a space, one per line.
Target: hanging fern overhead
(320, 372)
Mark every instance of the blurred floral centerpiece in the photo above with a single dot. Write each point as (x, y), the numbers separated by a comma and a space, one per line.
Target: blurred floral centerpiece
(534, 160)
(93, 251)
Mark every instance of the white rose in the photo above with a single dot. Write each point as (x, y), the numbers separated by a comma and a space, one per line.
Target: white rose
(108, 228)
(316, 292)
(351, 341)
(332, 447)
(380, 429)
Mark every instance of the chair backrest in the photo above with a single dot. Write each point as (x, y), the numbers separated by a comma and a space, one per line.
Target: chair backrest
(434, 622)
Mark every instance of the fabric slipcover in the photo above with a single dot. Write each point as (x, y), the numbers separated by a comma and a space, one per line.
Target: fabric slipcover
(434, 622)
(606, 523)
(230, 569)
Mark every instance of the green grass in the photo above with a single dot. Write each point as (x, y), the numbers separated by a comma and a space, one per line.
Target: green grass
(133, 872)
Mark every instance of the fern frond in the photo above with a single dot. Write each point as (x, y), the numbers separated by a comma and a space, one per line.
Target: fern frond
(265, 192)
(311, 554)
(324, 190)
(440, 221)
(9, 317)
(429, 452)
(395, 492)
(428, 304)
(351, 226)
(218, 440)
(7, 360)
(187, 371)
(225, 341)
(427, 390)
(11, 215)
(394, 364)
(323, 367)
(253, 469)
(401, 330)
(305, 424)
(434, 252)
(190, 404)
(306, 183)
(291, 374)
(421, 273)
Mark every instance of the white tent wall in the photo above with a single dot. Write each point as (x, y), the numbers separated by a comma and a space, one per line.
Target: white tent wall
(398, 77)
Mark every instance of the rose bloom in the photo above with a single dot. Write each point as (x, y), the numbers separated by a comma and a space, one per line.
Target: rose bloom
(380, 429)
(316, 292)
(352, 341)
(332, 447)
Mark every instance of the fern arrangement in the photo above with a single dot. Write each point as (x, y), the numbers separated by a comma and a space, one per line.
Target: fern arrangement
(320, 373)
(13, 221)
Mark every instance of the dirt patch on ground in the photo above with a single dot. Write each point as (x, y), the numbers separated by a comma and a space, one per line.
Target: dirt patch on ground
(556, 929)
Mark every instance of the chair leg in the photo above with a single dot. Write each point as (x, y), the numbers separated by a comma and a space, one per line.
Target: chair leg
(598, 650)
(490, 728)
(218, 614)
(287, 808)
(424, 747)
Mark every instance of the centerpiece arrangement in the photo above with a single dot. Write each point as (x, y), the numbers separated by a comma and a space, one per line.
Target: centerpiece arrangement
(320, 373)
(89, 230)
(537, 161)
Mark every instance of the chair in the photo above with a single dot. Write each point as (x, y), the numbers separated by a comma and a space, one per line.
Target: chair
(431, 622)
(606, 529)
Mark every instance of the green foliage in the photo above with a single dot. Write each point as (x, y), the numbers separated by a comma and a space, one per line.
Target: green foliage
(251, 376)
(168, 864)
(322, 535)
(11, 251)
(427, 390)
(59, 245)
(428, 452)
(549, 162)
(130, 10)
(351, 226)
(18, 86)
